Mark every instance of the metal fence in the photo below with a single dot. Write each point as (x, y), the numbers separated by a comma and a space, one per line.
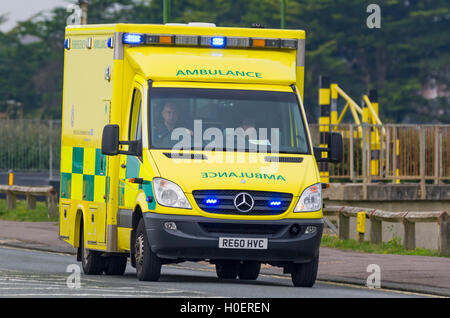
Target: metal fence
(371, 152)
(30, 145)
(392, 153)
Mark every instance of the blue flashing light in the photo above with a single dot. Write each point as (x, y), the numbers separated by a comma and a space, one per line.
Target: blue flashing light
(133, 38)
(110, 43)
(275, 203)
(211, 201)
(67, 44)
(218, 41)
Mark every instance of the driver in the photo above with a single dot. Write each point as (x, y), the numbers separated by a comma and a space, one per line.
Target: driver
(170, 122)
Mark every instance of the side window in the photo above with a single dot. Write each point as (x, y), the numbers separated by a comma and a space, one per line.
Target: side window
(135, 127)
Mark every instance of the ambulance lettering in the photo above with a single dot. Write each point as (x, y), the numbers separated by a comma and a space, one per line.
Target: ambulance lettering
(230, 73)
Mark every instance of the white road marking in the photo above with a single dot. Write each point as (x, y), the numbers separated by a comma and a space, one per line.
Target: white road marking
(56, 286)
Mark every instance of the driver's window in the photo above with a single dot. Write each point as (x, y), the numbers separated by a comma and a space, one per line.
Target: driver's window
(135, 130)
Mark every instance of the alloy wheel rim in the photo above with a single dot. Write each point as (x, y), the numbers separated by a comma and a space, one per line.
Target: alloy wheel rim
(139, 249)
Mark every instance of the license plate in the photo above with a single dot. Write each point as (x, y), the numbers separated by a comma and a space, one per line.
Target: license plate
(243, 243)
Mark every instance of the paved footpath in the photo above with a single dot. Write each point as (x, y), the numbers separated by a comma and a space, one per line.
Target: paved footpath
(422, 274)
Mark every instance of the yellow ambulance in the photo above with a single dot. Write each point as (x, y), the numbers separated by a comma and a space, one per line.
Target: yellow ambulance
(189, 143)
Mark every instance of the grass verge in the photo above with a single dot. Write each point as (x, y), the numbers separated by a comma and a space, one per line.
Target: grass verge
(20, 213)
(393, 246)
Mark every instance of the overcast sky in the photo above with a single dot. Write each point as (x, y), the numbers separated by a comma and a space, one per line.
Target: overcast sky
(20, 10)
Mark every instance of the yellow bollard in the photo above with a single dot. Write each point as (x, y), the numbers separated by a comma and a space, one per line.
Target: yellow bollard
(11, 178)
(361, 225)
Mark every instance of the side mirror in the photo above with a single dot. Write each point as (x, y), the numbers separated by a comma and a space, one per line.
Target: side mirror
(335, 149)
(110, 140)
(110, 143)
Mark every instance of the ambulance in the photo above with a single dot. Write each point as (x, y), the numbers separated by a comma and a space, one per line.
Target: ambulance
(189, 143)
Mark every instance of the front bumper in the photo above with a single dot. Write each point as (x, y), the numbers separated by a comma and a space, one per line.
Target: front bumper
(197, 238)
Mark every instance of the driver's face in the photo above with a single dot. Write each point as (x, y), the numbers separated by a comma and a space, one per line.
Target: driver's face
(170, 114)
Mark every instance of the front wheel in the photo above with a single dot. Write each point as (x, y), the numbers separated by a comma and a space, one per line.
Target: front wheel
(305, 274)
(148, 264)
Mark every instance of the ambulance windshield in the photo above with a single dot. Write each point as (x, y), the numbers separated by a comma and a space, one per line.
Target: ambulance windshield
(226, 120)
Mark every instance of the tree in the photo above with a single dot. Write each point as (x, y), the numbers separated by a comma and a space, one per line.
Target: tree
(409, 52)
(410, 47)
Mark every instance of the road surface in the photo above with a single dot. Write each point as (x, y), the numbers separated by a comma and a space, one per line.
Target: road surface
(26, 273)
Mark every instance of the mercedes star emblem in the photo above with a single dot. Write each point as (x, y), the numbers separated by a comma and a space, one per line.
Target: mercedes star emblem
(243, 202)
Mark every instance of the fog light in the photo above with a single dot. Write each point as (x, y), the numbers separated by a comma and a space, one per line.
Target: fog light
(295, 229)
(310, 229)
(170, 226)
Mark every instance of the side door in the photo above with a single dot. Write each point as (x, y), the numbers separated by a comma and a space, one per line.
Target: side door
(130, 165)
(95, 187)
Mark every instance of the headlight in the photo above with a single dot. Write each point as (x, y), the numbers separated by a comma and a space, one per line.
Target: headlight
(310, 200)
(170, 194)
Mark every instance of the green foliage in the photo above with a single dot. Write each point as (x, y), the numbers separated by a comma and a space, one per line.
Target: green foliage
(393, 246)
(408, 52)
(21, 213)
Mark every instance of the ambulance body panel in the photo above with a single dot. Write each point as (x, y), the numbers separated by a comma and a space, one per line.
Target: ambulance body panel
(106, 199)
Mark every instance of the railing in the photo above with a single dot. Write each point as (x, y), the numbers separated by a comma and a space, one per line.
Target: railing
(392, 153)
(31, 194)
(30, 145)
(408, 219)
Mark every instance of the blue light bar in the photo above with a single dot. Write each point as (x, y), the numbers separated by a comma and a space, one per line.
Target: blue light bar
(275, 203)
(211, 201)
(133, 38)
(218, 41)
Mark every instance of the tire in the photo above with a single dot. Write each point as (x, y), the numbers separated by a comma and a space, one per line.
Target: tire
(91, 261)
(304, 275)
(148, 265)
(133, 260)
(116, 265)
(227, 269)
(249, 270)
